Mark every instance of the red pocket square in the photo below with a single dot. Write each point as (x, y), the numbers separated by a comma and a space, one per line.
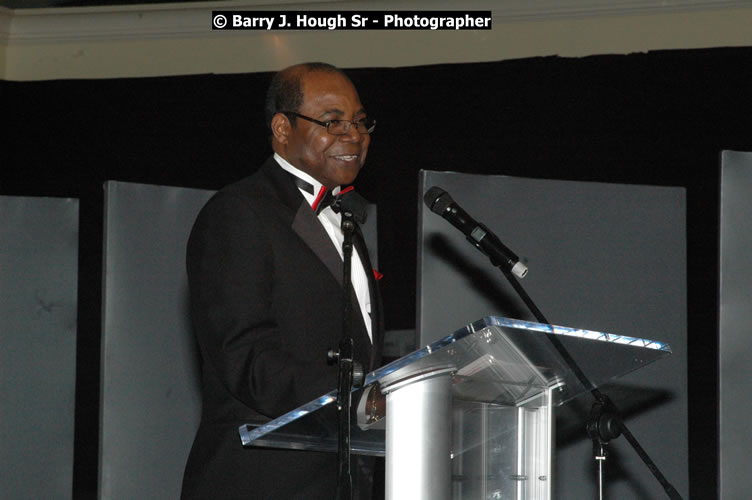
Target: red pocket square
(377, 275)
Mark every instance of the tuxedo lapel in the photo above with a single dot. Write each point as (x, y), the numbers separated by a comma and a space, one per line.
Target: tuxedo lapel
(307, 226)
(304, 222)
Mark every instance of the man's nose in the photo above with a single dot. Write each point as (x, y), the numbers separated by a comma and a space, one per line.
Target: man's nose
(352, 134)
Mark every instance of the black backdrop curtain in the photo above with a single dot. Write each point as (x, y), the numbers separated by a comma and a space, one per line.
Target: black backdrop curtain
(652, 118)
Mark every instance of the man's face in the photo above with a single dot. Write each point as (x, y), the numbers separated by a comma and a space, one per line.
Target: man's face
(332, 160)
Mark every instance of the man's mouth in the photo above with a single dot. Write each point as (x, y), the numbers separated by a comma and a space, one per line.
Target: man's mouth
(346, 157)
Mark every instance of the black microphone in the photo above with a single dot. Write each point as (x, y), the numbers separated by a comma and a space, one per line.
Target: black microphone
(351, 201)
(478, 234)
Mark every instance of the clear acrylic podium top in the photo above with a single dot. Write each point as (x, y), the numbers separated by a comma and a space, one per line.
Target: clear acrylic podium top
(494, 360)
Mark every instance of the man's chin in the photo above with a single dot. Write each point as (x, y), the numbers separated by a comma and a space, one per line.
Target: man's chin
(346, 176)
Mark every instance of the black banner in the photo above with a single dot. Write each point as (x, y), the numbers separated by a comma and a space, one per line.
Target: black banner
(351, 20)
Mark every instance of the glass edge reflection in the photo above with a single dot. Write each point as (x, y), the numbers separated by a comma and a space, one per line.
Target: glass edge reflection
(569, 332)
(247, 436)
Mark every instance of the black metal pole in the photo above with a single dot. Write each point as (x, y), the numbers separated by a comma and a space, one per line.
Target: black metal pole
(345, 367)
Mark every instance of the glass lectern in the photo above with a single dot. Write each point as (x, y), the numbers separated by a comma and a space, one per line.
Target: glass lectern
(469, 416)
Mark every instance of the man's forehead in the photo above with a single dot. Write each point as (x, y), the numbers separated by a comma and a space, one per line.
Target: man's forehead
(330, 93)
(319, 84)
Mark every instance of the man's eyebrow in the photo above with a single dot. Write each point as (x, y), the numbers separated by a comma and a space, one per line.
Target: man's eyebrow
(339, 112)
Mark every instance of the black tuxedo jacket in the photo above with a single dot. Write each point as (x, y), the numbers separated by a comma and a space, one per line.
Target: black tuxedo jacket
(266, 301)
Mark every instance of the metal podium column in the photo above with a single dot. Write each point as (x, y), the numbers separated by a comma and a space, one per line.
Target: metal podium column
(419, 437)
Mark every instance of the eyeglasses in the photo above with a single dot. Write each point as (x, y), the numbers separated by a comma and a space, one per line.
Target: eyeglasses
(340, 127)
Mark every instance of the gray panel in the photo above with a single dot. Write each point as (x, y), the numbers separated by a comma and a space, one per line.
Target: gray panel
(735, 348)
(38, 297)
(150, 387)
(603, 257)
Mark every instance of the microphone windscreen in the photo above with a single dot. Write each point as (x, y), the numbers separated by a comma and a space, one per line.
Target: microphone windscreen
(437, 200)
(356, 204)
(432, 195)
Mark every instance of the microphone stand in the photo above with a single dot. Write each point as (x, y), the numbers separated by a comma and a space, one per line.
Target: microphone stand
(348, 373)
(604, 423)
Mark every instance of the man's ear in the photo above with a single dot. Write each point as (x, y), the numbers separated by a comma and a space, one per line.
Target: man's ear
(281, 127)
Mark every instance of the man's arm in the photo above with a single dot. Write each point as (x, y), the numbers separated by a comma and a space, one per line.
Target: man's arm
(231, 271)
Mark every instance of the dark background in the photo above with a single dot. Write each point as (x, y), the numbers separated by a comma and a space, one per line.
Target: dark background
(657, 118)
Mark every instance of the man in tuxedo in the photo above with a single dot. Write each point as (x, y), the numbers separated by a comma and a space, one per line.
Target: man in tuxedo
(265, 271)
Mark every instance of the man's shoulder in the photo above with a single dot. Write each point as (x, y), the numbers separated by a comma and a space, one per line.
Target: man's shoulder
(247, 187)
(253, 185)
(258, 188)
(247, 202)
(261, 194)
